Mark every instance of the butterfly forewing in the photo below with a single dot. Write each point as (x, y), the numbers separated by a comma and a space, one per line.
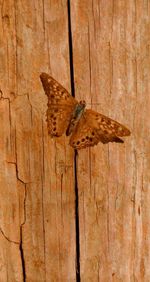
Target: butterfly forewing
(60, 105)
(105, 124)
(94, 127)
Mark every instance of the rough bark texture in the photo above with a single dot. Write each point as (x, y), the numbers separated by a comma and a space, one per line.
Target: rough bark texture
(39, 210)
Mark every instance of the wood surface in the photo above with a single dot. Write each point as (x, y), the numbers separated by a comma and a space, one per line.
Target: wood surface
(61, 219)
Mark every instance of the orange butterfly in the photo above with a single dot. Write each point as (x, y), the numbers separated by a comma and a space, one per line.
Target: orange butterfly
(86, 127)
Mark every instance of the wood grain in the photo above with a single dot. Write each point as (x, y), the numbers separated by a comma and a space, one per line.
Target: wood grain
(111, 67)
(111, 62)
(37, 173)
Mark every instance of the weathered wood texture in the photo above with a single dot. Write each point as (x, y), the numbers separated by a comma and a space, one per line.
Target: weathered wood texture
(112, 70)
(37, 181)
(111, 59)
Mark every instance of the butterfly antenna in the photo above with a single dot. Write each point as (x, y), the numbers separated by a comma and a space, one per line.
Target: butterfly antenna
(75, 156)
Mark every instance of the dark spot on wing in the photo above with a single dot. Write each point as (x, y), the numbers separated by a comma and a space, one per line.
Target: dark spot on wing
(117, 139)
(56, 134)
(108, 121)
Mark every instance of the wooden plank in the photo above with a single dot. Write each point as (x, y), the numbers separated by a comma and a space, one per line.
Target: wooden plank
(111, 64)
(59, 199)
(12, 198)
(37, 175)
(111, 69)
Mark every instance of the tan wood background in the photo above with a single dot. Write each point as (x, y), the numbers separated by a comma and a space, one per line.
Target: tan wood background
(38, 212)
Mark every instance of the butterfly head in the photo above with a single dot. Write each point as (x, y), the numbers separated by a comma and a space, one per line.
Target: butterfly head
(79, 109)
(82, 103)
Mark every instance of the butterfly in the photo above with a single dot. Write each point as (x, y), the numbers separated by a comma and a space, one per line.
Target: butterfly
(66, 115)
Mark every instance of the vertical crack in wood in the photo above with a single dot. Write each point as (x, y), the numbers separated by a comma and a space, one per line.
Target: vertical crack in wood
(22, 256)
(21, 240)
(24, 220)
(43, 181)
(70, 50)
(77, 220)
(75, 156)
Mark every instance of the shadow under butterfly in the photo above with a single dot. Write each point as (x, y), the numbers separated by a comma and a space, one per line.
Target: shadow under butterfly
(66, 115)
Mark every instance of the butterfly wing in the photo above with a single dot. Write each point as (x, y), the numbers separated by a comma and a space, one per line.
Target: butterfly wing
(60, 105)
(94, 127)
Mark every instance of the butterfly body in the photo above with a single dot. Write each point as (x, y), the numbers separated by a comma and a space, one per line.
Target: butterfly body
(66, 115)
(78, 112)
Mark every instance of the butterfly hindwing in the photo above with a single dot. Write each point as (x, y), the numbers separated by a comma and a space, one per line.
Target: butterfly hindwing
(60, 105)
(84, 135)
(58, 119)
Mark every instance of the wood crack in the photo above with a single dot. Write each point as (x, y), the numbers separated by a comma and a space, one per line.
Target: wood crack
(76, 154)
(22, 255)
(7, 238)
(20, 243)
(21, 237)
